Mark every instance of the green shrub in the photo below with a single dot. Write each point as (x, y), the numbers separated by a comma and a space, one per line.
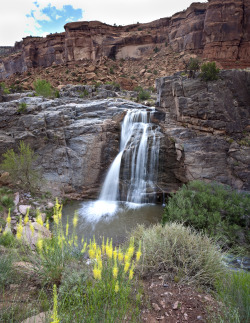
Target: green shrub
(20, 167)
(156, 49)
(7, 201)
(234, 293)
(8, 240)
(143, 95)
(57, 94)
(22, 107)
(216, 209)
(209, 72)
(193, 66)
(181, 252)
(43, 88)
(5, 89)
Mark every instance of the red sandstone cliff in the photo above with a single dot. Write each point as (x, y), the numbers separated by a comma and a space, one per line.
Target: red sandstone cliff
(218, 30)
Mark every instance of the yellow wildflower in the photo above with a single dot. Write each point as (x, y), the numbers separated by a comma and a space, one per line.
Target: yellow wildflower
(99, 263)
(39, 219)
(8, 220)
(55, 317)
(84, 247)
(47, 224)
(116, 287)
(67, 228)
(103, 246)
(97, 272)
(126, 266)
(26, 218)
(109, 251)
(19, 229)
(115, 271)
(32, 229)
(138, 254)
(115, 254)
(131, 272)
(75, 219)
(91, 253)
(39, 245)
(120, 255)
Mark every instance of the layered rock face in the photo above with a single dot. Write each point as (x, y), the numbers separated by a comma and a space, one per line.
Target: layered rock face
(209, 123)
(218, 30)
(75, 140)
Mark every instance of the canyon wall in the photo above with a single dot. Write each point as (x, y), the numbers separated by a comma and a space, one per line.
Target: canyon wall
(210, 125)
(218, 30)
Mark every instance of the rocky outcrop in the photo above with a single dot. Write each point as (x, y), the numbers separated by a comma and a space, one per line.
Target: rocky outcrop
(209, 123)
(76, 139)
(218, 30)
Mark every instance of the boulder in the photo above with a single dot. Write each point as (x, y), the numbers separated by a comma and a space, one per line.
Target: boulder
(40, 232)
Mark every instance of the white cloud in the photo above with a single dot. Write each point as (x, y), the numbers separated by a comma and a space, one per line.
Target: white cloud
(14, 25)
(58, 17)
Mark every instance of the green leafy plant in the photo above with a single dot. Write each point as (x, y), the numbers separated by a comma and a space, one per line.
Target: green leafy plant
(43, 88)
(213, 208)
(209, 72)
(20, 167)
(7, 201)
(22, 107)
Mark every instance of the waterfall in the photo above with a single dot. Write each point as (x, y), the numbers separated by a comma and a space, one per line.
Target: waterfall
(132, 174)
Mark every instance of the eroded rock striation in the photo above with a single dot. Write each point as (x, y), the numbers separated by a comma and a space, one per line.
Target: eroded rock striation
(76, 139)
(218, 30)
(210, 125)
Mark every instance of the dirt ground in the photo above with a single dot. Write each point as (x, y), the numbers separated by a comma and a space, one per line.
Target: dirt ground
(172, 302)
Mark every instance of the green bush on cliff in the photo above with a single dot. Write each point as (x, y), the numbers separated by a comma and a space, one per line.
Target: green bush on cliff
(43, 88)
(213, 208)
(209, 72)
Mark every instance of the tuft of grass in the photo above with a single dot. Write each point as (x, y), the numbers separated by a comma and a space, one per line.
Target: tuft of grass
(234, 292)
(180, 252)
(6, 270)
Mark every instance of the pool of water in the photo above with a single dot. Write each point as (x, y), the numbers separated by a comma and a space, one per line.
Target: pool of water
(109, 219)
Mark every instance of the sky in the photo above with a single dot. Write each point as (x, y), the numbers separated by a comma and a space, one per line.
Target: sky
(22, 18)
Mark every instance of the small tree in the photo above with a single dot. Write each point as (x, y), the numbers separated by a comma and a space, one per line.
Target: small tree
(193, 66)
(20, 167)
(209, 72)
(44, 88)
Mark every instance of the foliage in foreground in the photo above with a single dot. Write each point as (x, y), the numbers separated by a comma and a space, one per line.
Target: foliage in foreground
(234, 293)
(180, 252)
(102, 290)
(213, 208)
(20, 167)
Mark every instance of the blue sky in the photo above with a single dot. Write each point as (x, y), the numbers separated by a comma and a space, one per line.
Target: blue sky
(21, 18)
(53, 19)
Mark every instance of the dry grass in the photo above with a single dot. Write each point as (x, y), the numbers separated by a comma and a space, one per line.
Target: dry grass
(184, 254)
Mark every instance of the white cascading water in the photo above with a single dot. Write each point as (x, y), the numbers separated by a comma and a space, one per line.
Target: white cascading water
(138, 155)
(133, 174)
